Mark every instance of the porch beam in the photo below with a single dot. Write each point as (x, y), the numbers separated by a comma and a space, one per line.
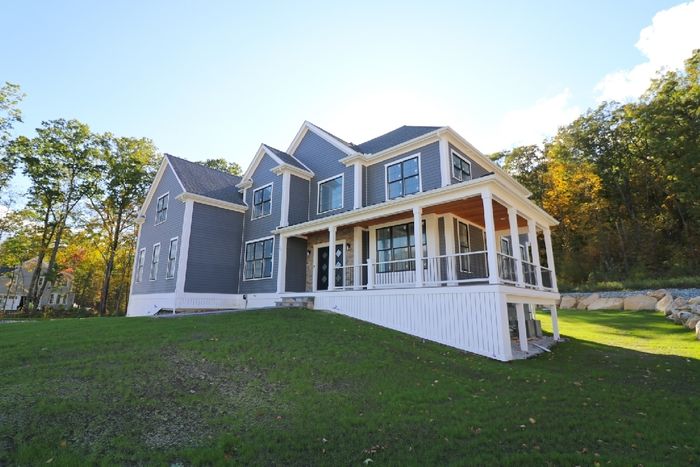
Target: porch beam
(282, 265)
(331, 257)
(532, 236)
(490, 225)
(550, 256)
(418, 247)
(522, 330)
(515, 241)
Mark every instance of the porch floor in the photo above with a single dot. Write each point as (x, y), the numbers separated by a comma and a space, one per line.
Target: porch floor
(533, 350)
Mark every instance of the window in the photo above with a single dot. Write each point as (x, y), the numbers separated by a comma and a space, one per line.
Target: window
(52, 297)
(154, 262)
(403, 178)
(162, 208)
(258, 259)
(139, 264)
(396, 243)
(505, 246)
(330, 194)
(461, 168)
(172, 254)
(262, 201)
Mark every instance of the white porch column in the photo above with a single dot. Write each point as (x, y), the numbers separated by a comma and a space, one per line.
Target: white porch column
(550, 256)
(372, 260)
(490, 237)
(555, 322)
(418, 248)
(284, 204)
(450, 246)
(282, 265)
(515, 241)
(357, 258)
(532, 236)
(331, 257)
(522, 331)
(445, 164)
(357, 185)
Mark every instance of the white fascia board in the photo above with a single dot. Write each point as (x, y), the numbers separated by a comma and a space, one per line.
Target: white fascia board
(308, 126)
(201, 199)
(284, 167)
(164, 165)
(261, 152)
(369, 159)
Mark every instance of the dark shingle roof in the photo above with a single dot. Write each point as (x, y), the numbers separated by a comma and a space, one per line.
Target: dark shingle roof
(394, 137)
(287, 159)
(202, 180)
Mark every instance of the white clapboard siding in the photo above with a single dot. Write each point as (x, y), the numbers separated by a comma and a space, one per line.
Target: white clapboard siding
(470, 320)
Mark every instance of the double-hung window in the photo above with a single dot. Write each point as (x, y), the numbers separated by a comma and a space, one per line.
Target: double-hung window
(172, 255)
(330, 194)
(162, 208)
(262, 201)
(461, 168)
(396, 248)
(258, 259)
(154, 262)
(403, 178)
(140, 262)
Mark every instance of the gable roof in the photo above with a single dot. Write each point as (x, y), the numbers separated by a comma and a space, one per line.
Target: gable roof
(201, 180)
(394, 137)
(287, 159)
(347, 148)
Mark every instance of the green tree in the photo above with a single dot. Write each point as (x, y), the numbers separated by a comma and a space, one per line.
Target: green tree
(10, 97)
(223, 165)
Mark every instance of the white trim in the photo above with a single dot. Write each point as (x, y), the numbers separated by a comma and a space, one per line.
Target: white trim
(156, 180)
(308, 126)
(454, 153)
(357, 185)
(201, 199)
(444, 147)
(281, 166)
(282, 264)
(399, 161)
(284, 204)
(177, 253)
(139, 278)
(381, 156)
(184, 248)
(342, 193)
(167, 193)
(272, 269)
(284, 168)
(252, 200)
(314, 262)
(151, 277)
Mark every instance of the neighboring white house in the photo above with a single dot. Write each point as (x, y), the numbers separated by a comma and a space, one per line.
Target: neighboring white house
(14, 285)
(345, 227)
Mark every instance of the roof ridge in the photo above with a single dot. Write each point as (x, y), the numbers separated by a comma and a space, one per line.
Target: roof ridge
(199, 164)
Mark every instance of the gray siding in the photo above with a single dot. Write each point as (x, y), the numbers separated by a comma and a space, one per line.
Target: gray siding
(151, 234)
(429, 173)
(323, 159)
(213, 261)
(259, 228)
(477, 170)
(295, 278)
(298, 200)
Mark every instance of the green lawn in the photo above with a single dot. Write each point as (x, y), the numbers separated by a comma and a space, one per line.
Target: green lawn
(302, 387)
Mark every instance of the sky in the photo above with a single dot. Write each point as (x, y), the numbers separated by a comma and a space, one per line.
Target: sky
(217, 79)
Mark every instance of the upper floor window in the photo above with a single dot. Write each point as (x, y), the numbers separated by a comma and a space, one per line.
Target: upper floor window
(262, 201)
(162, 208)
(403, 177)
(258, 259)
(461, 168)
(140, 262)
(330, 194)
(172, 255)
(154, 262)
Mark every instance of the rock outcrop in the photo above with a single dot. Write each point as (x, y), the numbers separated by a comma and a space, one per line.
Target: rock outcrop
(640, 302)
(610, 303)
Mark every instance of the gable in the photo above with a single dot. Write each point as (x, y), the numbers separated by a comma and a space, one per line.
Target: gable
(164, 169)
(313, 151)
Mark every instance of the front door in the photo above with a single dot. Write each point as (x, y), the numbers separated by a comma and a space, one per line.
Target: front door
(322, 267)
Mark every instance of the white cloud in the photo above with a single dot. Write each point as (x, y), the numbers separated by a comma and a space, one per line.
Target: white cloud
(666, 43)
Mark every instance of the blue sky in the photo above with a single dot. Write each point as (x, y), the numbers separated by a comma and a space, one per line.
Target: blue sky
(215, 79)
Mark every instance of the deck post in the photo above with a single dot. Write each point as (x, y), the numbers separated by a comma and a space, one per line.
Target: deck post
(331, 257)
(555, 322)
(490, 237)
(550, 256)
(522, 330)
(370, 273)
(418, 247)
(532, 236)
(515, 241)
(282, 264)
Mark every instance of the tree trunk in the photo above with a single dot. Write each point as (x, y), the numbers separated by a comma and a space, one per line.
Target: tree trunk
(46, 235)
(114, 245)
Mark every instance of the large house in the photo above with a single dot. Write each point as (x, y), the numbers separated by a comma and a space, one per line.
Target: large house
(15, 282)
(345, 227)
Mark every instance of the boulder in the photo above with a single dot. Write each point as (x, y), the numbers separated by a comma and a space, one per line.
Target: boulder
(664, 305)
(692, 322)
(684, 316)
(567, 301)
(697, 331)
(658, 294)
(694, 301)
(679, 302)
(640, 302)
(583, 302)
(611, 303)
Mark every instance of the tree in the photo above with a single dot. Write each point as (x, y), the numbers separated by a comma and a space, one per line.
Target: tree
(129, 166)
(223, 165)
(10, 97)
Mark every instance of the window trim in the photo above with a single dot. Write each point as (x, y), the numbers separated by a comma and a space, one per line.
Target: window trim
(167, 193)
(151, 276)
(139, 277)
(399, 161)
(177, 251)
(454, 153)
(245, 263)
(391, 225)
(342, 193)
(252, 200)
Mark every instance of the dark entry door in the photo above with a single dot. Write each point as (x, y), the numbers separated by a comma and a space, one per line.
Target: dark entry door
(322, 267)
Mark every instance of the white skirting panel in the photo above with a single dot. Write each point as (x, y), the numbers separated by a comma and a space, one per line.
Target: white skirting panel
(468, 318)
(149, 304)
(206, 301)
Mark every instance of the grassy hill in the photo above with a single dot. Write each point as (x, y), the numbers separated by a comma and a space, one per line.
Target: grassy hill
(302, 387)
